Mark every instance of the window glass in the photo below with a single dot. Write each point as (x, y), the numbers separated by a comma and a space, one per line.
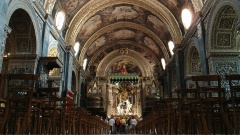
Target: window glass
(171, 46)
(84, 64)
(186, 18)
(163, 63)
(76, 48)
(60, 18)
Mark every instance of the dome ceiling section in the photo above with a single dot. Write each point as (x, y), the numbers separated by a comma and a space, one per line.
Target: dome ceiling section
(123, 44)
(92, 7)
(125, 30)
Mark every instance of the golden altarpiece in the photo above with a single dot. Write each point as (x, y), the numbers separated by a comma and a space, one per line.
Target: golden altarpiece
(123, 92)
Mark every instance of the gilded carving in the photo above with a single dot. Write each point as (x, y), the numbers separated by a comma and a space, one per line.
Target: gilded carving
(123, 51)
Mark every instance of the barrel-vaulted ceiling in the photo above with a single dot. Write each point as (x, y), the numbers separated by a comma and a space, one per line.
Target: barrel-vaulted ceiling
(137, 32)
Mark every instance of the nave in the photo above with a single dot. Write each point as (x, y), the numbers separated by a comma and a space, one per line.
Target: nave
(159, 66)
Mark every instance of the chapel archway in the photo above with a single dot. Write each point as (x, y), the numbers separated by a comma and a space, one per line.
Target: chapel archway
(20, 49)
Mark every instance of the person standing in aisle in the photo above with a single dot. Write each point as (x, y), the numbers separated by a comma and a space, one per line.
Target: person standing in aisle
(111, 124)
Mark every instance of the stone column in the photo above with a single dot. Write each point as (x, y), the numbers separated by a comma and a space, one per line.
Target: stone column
(68, 69)
(79, 89)
(179, 57)
(202, 51)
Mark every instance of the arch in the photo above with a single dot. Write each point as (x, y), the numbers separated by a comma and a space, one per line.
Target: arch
(214, 30)
(127, 25)
(191, 58)
(53, 49)
(133, 56)
(98, 52)
(153, 6)
(26, 5)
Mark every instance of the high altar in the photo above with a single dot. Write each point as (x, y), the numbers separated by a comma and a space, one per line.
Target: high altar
(124, 95)
(122, 91)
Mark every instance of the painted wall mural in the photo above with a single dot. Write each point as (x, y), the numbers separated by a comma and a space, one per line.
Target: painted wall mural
(131, 68)
(90, 26)
(124, 12)
(123, 34)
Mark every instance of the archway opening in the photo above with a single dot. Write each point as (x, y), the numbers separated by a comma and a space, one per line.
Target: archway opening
(20, 44)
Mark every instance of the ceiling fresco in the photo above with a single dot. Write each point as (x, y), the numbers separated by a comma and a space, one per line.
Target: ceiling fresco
(124, 34)
(145, 27)
(121, 13)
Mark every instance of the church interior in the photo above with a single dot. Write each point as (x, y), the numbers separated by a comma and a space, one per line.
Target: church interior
(68, 66)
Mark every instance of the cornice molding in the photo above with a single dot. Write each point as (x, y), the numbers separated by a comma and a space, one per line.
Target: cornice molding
(223, 54)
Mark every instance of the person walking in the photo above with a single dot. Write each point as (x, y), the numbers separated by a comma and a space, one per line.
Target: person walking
(111, 124)
(123, 125)
(133, 123)
(117, 125)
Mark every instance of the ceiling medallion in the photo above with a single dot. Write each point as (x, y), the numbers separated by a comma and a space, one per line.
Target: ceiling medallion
(123, 51)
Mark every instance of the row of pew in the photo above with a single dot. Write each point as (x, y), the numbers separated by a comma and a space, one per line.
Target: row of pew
(26, 109)
(205, 109)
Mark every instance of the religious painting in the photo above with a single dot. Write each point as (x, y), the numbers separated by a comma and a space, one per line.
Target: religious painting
(90, 26)
(124, 67)
(151, 44)
(124, 12)
(96, 45)
(123, 34)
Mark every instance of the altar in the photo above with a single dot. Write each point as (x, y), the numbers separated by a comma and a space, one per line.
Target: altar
(124, 92)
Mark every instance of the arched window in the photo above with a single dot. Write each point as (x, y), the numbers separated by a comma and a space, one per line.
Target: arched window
(186, 18)
(76, 48)
(163, 63)
(60, 19)
(171, 47)
(84, 64)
